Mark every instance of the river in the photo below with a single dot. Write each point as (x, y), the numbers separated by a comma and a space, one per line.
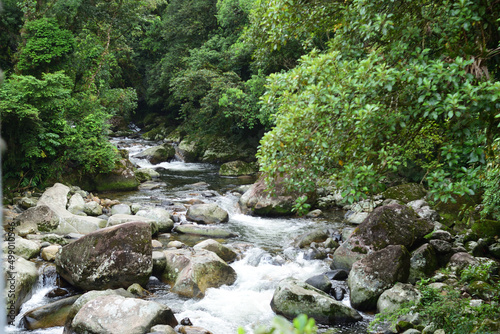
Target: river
(267, 259)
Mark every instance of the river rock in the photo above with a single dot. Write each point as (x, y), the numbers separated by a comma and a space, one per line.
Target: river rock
(28, 202)
(407, 192)
(20, 276)
(91, 295)
(392, 224)
(237, 168)
(163, 329)
(316, 235)
(50, 215)
(224, 252)
(257, 201)
(321, 282)
(49, 253)
(153, 174)
(118, 315)
(112, 257)
(207, 231)
(392, 299)
(92, 208)
(191, 273)
(159, 263)
(76, 204)
(122, 219)
(50, 315)
(121, 178)
(207, 214)
(375, 273)
(161, 216)
(193, 330)
(423, 263)
(292, 298)
(189, 150)
(120, 209)
(157, 154)
(24, 248)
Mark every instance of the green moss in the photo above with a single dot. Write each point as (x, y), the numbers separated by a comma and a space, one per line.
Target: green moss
(486, 228)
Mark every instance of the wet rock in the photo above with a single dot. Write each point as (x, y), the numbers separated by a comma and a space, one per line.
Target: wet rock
(207, 214)
(255, 200)
(224, 252)
(50, 315)
(423, 263)
(116, 314)
(113, 257)
(161, 216)
(292, 298)
(337, 274)
(207, 231)
(375, 273)
(85, 298)
(392, 224)
(20, 276)
(49, 253)
(191, 273)
(193, 330)
(314, 213)
(338, 293)
(24, 248)
(237, 168)
(157, 154)
(153, 174)
(321, 282)
(305, 240)
(92, 208)
(137, 290)
(395, 297)
(159, 263)
(119, 219)
(186, 322)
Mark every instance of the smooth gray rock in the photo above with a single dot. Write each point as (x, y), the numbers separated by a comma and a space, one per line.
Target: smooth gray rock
(119, 219)
(161, 216)
(207, 214)
(76, 204)
(292, 298)
(118, 315)
(120, 209)
(321, 282)
(92, 208)
(24, 248)
(20, 276)
(224, 252)
(112, 257)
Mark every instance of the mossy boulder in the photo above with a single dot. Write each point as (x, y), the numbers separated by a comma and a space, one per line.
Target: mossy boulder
(113, 257)
(121, 178)
(209, 213)
(237, 168)
(189, 150)
(157, 154)
(293, 297)
(392, 224)
(405, 192)
(257, 201)
(486, 228)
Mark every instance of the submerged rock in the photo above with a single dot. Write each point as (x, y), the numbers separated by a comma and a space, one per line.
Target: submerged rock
(292, 298)
(118, 315)
(50, 315)
(113, 257)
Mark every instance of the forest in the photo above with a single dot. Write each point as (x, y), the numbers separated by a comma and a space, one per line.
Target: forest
(339, 93)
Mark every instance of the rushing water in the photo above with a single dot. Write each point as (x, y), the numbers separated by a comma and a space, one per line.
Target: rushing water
(268, 256)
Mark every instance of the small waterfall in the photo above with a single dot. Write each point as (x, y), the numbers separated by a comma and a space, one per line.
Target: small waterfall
(47, 281)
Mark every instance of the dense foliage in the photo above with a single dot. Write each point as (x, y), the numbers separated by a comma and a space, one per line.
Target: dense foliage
(401, 83)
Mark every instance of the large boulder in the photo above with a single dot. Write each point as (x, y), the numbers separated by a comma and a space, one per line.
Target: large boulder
(224, 252)
(393, 298)
(118, 315)
(207, 214)
(121, 178)
(50, 215)
(189, 150)
(257, 201)
(423, 263)
(20, 276)
(192, 273)
(76, 204)
(292, 298)
(114, 257)
(49, 315)
(237, 168)
(375, 273)
(392, 224)
(157, 154)
(87, 297)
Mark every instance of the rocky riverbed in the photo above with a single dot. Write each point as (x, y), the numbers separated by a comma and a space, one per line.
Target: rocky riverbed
(190, 244)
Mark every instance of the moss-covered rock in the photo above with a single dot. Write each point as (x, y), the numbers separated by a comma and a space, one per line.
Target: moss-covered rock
(405, 192)
(237, 168)
(486, 228)
(121, 178)
(257, 201)
(157, 154)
